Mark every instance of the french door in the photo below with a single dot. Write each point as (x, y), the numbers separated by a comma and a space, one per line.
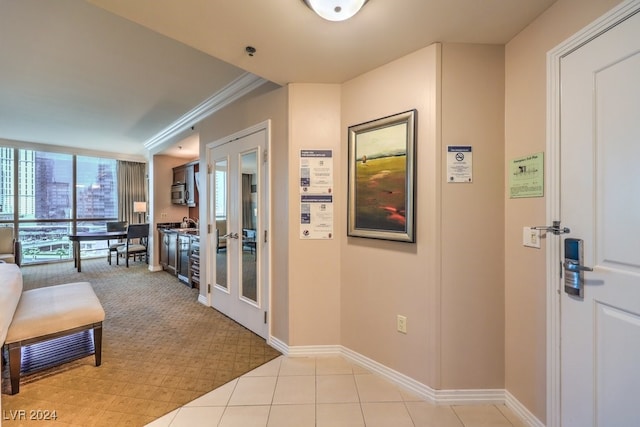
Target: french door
(238, 266)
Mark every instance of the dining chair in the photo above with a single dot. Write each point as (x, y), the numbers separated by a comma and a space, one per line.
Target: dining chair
(136, 244)
(113, 247)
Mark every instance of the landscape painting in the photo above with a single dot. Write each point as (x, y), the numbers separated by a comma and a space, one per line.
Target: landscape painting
(381, 178)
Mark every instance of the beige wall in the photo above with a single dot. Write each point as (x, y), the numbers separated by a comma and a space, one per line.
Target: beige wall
(472, 286)
(266, 103)
(348, 291)
(381, 279)
(525, 133)
(449, 283)
(314, 275)
(473, 296)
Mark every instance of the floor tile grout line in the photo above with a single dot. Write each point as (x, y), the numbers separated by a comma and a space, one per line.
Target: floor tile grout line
(404, 403)
(273, 396)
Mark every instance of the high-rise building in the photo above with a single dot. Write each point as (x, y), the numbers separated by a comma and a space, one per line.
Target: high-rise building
(26, 184)
(6, 183)
(52, 197)
(95, 200)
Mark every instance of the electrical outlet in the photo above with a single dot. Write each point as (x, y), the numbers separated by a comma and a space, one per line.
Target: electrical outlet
(163, 214)
(531, 237)
(402, 324)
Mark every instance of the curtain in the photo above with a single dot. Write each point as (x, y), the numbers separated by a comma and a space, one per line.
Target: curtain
(132, 187)
(247, 214)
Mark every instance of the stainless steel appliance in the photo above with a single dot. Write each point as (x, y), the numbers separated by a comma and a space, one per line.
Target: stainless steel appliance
(194, 262)
(178, 194)
(183, 258)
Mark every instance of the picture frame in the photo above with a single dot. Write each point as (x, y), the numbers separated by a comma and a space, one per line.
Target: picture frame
(382, 178)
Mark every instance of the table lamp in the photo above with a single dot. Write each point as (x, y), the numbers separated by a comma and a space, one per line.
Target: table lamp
(140, 208)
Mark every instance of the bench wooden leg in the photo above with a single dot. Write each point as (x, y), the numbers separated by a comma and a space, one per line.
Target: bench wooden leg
(97, 342)
(15, 362)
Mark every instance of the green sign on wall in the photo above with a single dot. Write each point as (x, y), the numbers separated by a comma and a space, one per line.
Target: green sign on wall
(526, 176)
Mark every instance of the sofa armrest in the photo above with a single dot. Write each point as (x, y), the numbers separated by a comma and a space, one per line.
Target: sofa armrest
(10, 293)
(17, 252)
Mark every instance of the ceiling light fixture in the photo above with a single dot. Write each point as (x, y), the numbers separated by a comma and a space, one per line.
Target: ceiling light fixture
(335, 10)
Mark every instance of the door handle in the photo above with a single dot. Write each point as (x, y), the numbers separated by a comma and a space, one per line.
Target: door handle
(229, 236)
(555, 228)
(570, 266)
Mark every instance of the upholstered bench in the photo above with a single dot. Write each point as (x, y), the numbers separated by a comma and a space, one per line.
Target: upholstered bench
(46, 313)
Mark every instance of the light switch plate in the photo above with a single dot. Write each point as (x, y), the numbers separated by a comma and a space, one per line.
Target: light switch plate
(531, 237)
(402, 324)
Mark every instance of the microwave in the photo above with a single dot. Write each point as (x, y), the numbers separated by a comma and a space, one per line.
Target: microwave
(178, 194)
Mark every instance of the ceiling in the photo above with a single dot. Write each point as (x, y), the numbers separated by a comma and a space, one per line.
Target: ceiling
(110, 75)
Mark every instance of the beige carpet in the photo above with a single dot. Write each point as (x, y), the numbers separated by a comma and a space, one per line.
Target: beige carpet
(161, 349)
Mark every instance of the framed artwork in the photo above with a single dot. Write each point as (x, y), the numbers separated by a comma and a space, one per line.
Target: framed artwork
(382, 178)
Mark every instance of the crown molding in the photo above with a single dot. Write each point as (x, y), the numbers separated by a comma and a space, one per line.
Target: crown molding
(230, 93)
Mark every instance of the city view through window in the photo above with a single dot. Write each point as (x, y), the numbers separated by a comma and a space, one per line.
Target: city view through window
(46, 196)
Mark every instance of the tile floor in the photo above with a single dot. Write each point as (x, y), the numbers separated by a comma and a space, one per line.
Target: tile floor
(323, 392)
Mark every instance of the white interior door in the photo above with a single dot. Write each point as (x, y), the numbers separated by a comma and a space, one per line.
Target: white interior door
(600, 203)
(238, 260)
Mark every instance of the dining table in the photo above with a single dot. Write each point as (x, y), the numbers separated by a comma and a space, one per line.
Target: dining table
(90, 236)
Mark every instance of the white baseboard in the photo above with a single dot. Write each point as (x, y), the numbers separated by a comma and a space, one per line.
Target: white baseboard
(202, 299)
(278, 345)
(155, 268)
(438, 397)
(315, 350)
(446, 397)
(521, 411)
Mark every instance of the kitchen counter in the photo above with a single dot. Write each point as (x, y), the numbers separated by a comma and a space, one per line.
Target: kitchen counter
(189, 231)
(175, 227)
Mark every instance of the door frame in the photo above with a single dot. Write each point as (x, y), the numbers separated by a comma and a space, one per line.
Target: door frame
(266, 254)
(553, 165)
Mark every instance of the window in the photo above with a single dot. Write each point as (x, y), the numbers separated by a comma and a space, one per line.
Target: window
(56, 194)
(96, 191)
(44, 185)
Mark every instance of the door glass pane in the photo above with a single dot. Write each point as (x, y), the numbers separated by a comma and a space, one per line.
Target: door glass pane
(221, 214)
(249, 215)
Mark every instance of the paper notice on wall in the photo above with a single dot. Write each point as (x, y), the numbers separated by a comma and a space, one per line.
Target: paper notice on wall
(316, 216)
(316, 194)
(526, 176)
(316, 171)
(459, 163)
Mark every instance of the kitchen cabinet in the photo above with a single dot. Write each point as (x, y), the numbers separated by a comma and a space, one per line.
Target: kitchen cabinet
(186, 174)
(164, 248)
(190, 181)
(168, 250)
(180, 175)
(180, 253)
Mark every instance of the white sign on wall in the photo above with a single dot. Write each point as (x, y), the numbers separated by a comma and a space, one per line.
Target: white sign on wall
(459, 163)
(316, 198)
(316, 171)
(316, 216)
